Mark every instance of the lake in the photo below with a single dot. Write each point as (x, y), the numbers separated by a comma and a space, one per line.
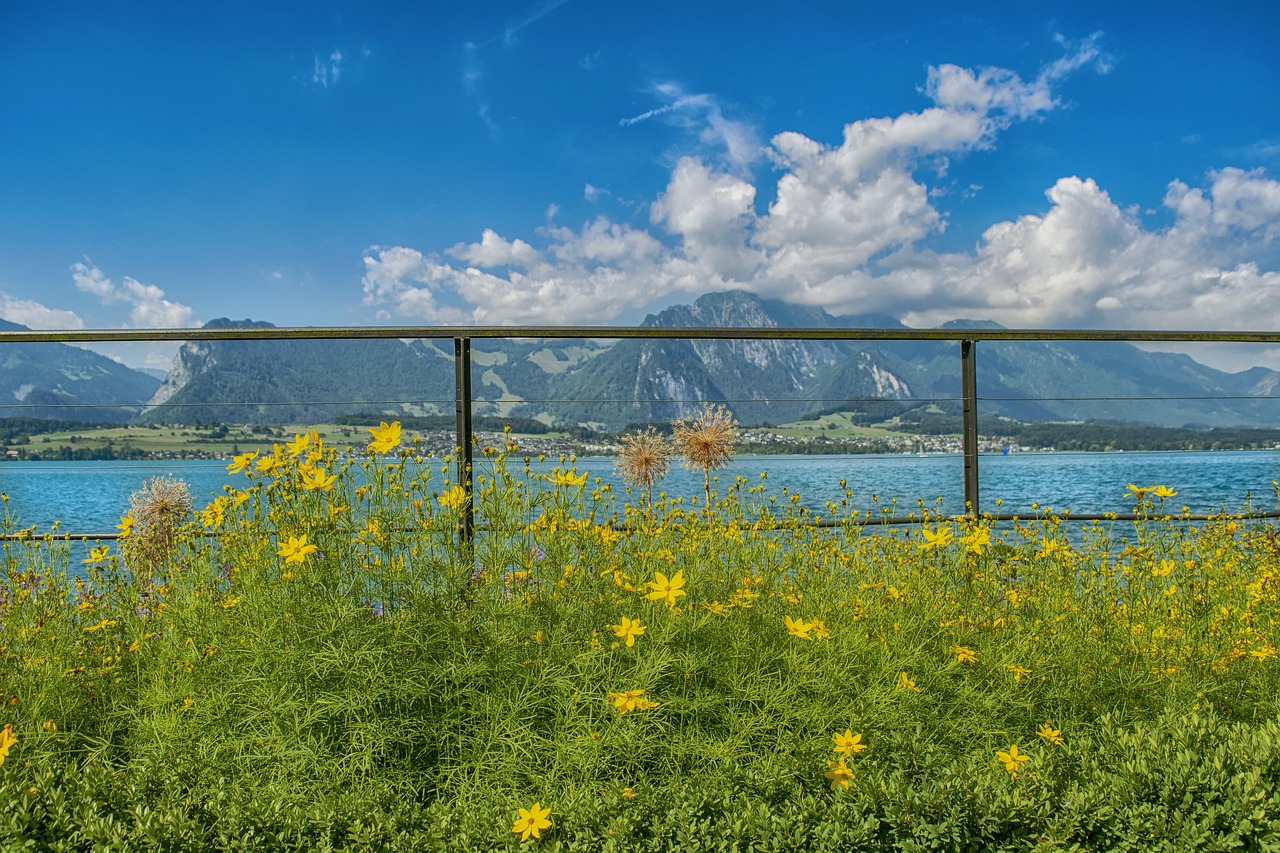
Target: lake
(90, 497)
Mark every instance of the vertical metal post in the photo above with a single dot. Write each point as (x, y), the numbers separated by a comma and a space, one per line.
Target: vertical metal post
(462, 399)
(969, 398)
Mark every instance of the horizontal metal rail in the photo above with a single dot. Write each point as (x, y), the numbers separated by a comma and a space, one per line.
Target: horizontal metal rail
(281, 333)
(1128, 398)
(828, 523)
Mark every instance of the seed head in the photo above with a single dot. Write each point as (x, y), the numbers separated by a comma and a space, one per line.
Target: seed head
(706, 440)
(645, 459)
(159, 508)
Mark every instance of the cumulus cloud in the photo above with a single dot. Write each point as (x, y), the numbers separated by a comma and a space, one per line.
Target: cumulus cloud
(848, 228)
(148, 307)
(1238, 201)
(33, 315)
(493, 251)
(1001, 95)
(1088, 262)
(583, 276)
(712, 215)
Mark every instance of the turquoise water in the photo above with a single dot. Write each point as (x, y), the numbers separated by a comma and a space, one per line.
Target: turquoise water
(90, 497)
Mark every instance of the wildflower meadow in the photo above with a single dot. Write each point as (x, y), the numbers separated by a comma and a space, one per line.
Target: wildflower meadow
(318, 660)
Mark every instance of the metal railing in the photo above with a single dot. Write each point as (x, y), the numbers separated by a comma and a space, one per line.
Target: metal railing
(463, 336)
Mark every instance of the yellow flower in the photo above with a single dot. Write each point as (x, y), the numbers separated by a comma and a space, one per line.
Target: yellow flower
(1139, 492)
(964, 654)
(798, 628)
(126, 525)
(715, 607)
(454, 499)
(386, 437)
(936, 539)
(50, 726)
(567, 478)
(1163, 492)
(631, 700)
(318, 480)
(298, 445)
(1019, 672)
(1049, 733)
(296, 549)
(839, 774)
(211, 516)
(627, 630)
(531, 822)
(848, 743)
(97, 555)
(905, 682)
(242, 462)
(267, 464)
(820, 629)
(1012, 760)
(976, 540)
(662, 589)
(628, 793)
(7, 740)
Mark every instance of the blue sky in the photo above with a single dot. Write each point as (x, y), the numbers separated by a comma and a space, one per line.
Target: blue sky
(1041, 164)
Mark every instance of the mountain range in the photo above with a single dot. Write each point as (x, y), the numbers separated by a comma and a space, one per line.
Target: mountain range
(610, 384)
(57, 381)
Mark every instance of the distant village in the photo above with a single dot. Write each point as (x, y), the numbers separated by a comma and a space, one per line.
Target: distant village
(441, 443)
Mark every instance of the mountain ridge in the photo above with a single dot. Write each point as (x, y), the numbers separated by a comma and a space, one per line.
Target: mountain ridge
(60, 381)
(611, 384)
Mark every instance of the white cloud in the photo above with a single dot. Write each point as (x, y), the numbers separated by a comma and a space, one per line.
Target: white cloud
(91, 280)
(493, 251)
(1238, 200)
(1088, 262)
(584, 276)
(848, 228)
(711, 214)
(148, 307)
(326, 70)
(33, 315)
(731, 140)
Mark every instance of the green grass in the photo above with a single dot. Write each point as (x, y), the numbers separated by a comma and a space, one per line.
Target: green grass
(176, 440)
(388, 690)
(834, 426)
